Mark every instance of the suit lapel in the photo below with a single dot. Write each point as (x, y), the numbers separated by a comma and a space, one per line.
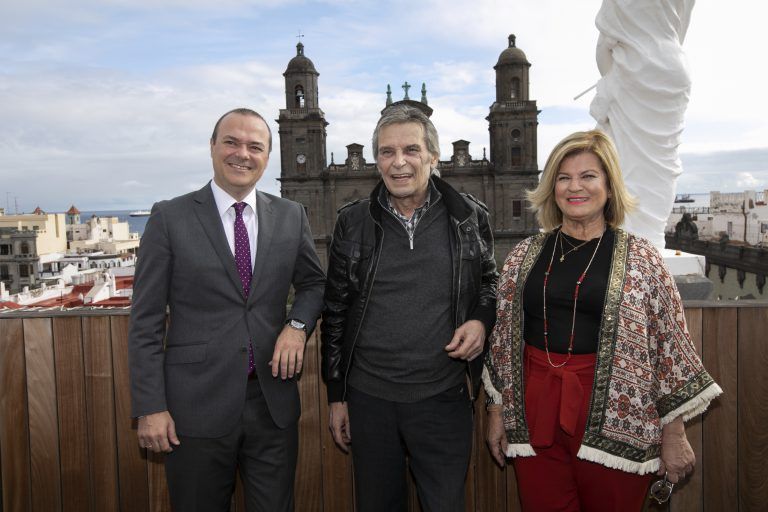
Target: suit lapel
(208, 215)
(266, 219)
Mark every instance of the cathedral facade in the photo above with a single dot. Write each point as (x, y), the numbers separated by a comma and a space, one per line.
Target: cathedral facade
(498, 179)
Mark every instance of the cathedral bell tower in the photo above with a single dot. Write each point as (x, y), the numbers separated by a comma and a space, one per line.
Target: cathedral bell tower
(302, 123)
(513, 123)
(513, 119)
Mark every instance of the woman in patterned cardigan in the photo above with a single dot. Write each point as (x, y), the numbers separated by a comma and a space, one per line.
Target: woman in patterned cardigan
(591, 370)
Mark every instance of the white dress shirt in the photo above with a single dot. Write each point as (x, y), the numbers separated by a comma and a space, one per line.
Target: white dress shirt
(225, 205)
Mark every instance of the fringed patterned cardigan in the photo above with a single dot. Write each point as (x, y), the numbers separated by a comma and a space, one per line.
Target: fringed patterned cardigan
(647, 372)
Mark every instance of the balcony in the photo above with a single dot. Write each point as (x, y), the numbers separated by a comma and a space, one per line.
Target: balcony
(67, 441)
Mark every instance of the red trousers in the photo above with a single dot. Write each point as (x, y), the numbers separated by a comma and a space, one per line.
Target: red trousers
(556, 404)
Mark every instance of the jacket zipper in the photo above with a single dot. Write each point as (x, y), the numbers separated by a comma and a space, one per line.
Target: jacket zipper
(411, 234)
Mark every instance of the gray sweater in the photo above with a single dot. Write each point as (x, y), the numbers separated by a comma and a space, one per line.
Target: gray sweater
(400, 353)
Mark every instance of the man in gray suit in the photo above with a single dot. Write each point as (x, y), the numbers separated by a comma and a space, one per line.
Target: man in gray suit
(214, 387)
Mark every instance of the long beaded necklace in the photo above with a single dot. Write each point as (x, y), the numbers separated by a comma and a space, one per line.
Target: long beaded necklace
(575, 301)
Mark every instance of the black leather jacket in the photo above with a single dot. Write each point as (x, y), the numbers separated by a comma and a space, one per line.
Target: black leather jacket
(354, 255)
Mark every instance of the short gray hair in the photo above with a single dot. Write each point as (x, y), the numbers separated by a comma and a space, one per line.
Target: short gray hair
(399, 114)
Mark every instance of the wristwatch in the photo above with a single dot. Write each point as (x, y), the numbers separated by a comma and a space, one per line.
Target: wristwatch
(297, 324)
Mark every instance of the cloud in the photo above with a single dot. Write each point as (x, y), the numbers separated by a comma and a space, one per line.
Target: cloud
(92, 135)
(100, 96)
(135, 184)
(725, 171)
(746, 180)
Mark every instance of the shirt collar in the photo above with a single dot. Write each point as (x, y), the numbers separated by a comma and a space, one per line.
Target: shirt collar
(432, 194)
(224, 201)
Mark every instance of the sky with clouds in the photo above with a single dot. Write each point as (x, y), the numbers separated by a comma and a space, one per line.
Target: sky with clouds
(109, 104)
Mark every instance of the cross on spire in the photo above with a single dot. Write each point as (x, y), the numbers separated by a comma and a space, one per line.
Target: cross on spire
(406, 86)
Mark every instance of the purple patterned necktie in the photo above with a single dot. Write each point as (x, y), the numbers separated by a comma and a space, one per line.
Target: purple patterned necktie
(243, 260)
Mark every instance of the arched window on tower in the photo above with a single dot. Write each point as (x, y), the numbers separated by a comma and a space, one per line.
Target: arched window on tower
(517, 156)
(299, 96)
(514, 92)
(517, 208)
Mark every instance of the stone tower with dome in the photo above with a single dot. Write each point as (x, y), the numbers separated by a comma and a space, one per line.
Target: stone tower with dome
(498, 179)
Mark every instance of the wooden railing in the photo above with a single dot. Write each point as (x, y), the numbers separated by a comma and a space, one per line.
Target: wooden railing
(67, 442)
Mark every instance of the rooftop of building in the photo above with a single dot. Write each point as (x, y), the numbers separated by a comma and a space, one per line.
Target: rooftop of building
(74, 297)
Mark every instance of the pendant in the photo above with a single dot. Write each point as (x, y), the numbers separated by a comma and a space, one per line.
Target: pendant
(562, 258)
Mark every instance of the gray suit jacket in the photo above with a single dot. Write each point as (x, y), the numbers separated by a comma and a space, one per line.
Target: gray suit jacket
(195, 366)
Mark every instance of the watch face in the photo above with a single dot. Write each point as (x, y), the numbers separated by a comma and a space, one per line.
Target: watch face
(297, 324)
(300, 158)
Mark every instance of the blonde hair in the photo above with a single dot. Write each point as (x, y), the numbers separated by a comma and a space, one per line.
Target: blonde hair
(542, 198)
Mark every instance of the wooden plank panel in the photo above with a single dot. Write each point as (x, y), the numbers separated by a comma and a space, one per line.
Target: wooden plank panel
(238, 497)
(101, 412)
(719, 463)
(337, 482)
(73, 425)
(470, 482)
(689, 494)
(724, 466)
(753, 409)
(309, 478)
(43, 421)
(513, 498)
(14, 428)
(159, 500)
(413, 493)
(490, 479)
(132, 470)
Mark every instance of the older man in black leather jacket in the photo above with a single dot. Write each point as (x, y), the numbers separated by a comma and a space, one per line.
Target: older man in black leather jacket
(409, 301)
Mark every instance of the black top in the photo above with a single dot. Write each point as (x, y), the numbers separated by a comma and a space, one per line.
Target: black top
(560, 288)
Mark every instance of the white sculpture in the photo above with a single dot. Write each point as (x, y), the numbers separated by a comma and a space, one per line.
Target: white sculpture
(641, 100)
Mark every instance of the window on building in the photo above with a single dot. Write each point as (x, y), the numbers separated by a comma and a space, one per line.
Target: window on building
(514, 92)
(515, 135)
(4, 273)
(299, 96)
(24, 248)
(517, 156)
(5, 249)
(517, 208)
(24, 270)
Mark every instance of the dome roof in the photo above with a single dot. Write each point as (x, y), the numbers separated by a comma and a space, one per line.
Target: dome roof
(513, 54)
(300, 63)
